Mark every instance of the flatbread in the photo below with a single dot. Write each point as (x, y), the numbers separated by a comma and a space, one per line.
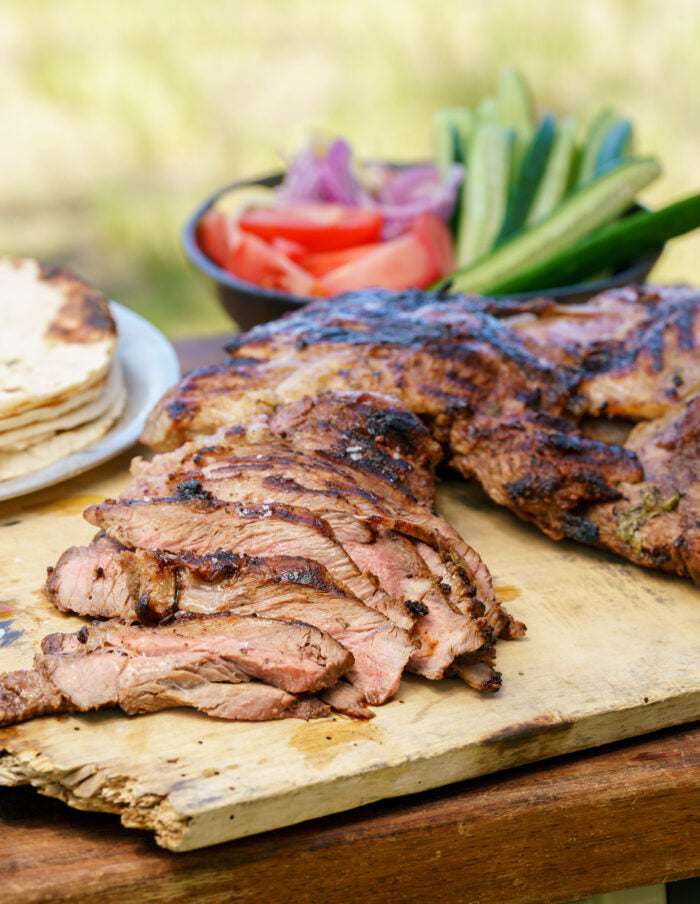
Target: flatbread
(23, 437)
(60, 445)
(51, 412)
(57, 336)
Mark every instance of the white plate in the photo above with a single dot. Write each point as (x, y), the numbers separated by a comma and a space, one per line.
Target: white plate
(149, 366)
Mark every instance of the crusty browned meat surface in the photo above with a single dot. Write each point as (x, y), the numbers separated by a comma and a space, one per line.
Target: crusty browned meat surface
(637, 348)
(508, 416)
(230, 666)
(440, 358)
(26, 694)
(656, 522)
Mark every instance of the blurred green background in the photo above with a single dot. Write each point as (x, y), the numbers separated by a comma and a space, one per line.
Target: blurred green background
(119, 117)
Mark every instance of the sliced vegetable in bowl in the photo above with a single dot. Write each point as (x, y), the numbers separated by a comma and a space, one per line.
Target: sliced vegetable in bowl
(327, 229)
(513, 203)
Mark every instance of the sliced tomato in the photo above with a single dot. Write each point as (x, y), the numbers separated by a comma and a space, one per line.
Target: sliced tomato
(402, 263)
(293, 250)
(213, 236)
(315, 225)
(318, 263)
(437, 239)
(252, 259)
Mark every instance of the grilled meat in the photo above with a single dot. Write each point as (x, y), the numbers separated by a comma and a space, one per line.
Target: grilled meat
(637, 348)
(656, 522)
(505, 398)
(282, 587)
(230, 666)
(203, 525)
(504, 412)
(379, 566)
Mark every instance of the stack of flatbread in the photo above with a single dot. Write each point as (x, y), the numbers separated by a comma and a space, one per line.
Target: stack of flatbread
(61, 388)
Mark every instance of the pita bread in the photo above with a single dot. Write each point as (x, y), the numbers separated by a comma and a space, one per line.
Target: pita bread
(23, 437)
(57, 338)
(60, 445)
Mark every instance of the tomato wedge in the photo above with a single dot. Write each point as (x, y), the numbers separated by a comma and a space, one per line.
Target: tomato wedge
(317, 226)
(413, 260)
(212, 236)
(318, 263)
(401, 263)
(257, 262)
(437, 238)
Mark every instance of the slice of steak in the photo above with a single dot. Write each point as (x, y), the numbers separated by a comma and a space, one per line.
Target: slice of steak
(442, 632)
(294, 656)
(107, 580)
(346, 699)
(251, 702)
(210, 662)
(478, 671)
(203, 525)
(26, 694)
(92, 580)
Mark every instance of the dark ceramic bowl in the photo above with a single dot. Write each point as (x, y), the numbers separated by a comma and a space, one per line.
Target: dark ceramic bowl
(249, 304)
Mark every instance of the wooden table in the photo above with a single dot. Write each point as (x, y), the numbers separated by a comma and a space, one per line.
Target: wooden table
(612, 818)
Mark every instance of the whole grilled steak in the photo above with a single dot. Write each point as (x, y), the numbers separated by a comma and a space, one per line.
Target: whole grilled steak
(508, 416)
(504, 397)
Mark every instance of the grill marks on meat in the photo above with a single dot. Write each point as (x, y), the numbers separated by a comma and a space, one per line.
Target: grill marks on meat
(504, 397)
(505, 412)
(637, 351)
(230, 666)
(637, 348)
(566, 470)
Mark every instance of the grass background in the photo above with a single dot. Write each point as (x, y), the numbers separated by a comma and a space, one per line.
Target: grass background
(119, 117)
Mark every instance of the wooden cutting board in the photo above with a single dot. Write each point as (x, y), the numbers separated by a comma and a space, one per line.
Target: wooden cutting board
(612, 651)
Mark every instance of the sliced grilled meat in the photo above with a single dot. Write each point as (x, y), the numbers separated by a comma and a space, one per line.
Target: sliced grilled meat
(285, 588)
(366, 530)
(359, 555)
(203, 525)
(346, 699)
(209, 662)
(370, 491)
(93, 580)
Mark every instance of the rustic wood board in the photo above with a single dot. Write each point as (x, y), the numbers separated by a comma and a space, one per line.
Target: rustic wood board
(612, 652)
